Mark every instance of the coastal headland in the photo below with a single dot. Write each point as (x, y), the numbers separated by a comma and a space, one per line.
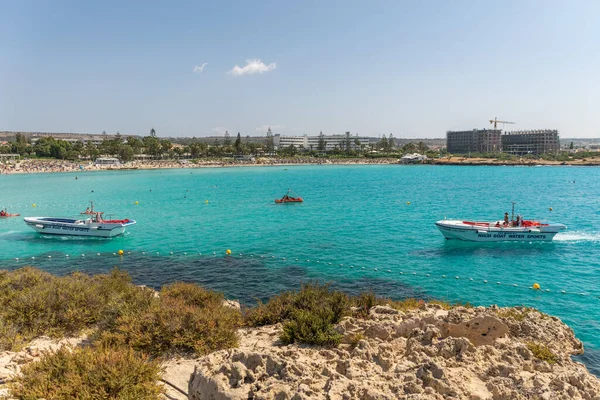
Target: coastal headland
(312, 343)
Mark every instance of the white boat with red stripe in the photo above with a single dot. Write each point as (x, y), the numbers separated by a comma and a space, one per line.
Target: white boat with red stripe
(95, 226)
(497, 231)
(514, 230)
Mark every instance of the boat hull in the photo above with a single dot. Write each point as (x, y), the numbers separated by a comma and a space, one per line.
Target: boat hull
(78, 228)
(279, 201)
(456, 230)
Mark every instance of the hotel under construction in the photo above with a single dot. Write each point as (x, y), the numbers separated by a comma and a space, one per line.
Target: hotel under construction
(493, 141)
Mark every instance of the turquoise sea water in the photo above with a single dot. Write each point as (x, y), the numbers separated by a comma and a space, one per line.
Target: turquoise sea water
(355, 229)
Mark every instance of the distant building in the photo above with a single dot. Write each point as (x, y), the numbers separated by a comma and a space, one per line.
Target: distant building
(67, 137)
(332, 142)
(493, 140)
(281, 142)
(531, 142)
(475, 141)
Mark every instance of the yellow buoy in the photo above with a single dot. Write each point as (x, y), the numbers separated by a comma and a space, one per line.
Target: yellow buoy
(550, 209)
(206, 201)
(536, 286)
(120, 252)
(408, 203)
(136, 202)
(33, 205)
(228, 252)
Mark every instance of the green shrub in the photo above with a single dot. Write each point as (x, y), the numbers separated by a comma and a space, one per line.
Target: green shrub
(309, 315)
(511, 313)
(172, 326)
(519, 315)
(311, 327)
(406, 304)
(89, 373)
(184, 318)
(310, 297)
(192, 295)
(542, 352)
(365, 301)
(355, 338)
(10, 338)
(277, 309)
(36, 303)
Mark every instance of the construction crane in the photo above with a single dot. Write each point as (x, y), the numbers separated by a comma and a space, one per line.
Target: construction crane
(495, 122)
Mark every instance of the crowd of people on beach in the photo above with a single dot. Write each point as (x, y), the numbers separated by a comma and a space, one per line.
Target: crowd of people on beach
(28, 166)
(37, 166)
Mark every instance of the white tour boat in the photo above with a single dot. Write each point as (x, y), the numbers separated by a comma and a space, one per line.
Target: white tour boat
(499, 231)
(94, 226)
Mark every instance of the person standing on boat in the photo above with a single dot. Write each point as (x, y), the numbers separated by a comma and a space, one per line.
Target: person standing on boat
(519, 221)
(506, 219)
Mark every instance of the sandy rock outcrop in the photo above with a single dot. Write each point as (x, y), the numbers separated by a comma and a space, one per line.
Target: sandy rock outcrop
(430, 353)
(11, 362)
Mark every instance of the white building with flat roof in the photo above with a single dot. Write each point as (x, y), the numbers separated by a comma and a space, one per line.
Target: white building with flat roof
(332, 142)
(281, 142)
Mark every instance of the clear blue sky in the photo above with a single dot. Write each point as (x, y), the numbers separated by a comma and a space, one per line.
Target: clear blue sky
(414, 69)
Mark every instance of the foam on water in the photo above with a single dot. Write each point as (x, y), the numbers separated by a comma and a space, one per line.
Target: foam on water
(577, 236)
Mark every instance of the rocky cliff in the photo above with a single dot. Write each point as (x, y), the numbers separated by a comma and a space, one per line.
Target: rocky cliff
(429, 353)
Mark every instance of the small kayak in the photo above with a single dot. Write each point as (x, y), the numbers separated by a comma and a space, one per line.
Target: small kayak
(9, 215)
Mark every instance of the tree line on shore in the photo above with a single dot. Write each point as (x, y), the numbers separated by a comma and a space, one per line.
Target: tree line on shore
(127, 148)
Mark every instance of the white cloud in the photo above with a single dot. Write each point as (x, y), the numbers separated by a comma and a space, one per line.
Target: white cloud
(264, 128)
(253, 66)
(200, 68)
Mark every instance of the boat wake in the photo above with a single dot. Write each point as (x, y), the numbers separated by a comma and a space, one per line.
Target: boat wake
(577, 237)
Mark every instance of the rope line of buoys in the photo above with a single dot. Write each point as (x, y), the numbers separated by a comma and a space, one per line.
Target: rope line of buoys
(185, 202)
(535, 287)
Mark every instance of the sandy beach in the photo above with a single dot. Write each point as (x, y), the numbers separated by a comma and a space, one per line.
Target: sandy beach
(54, 166)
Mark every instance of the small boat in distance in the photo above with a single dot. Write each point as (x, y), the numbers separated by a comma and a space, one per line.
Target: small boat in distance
(289, 199)
(499, 231)
(94, 226)
(90, 210)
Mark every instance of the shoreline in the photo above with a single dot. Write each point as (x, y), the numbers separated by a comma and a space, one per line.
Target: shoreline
(56, 166)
